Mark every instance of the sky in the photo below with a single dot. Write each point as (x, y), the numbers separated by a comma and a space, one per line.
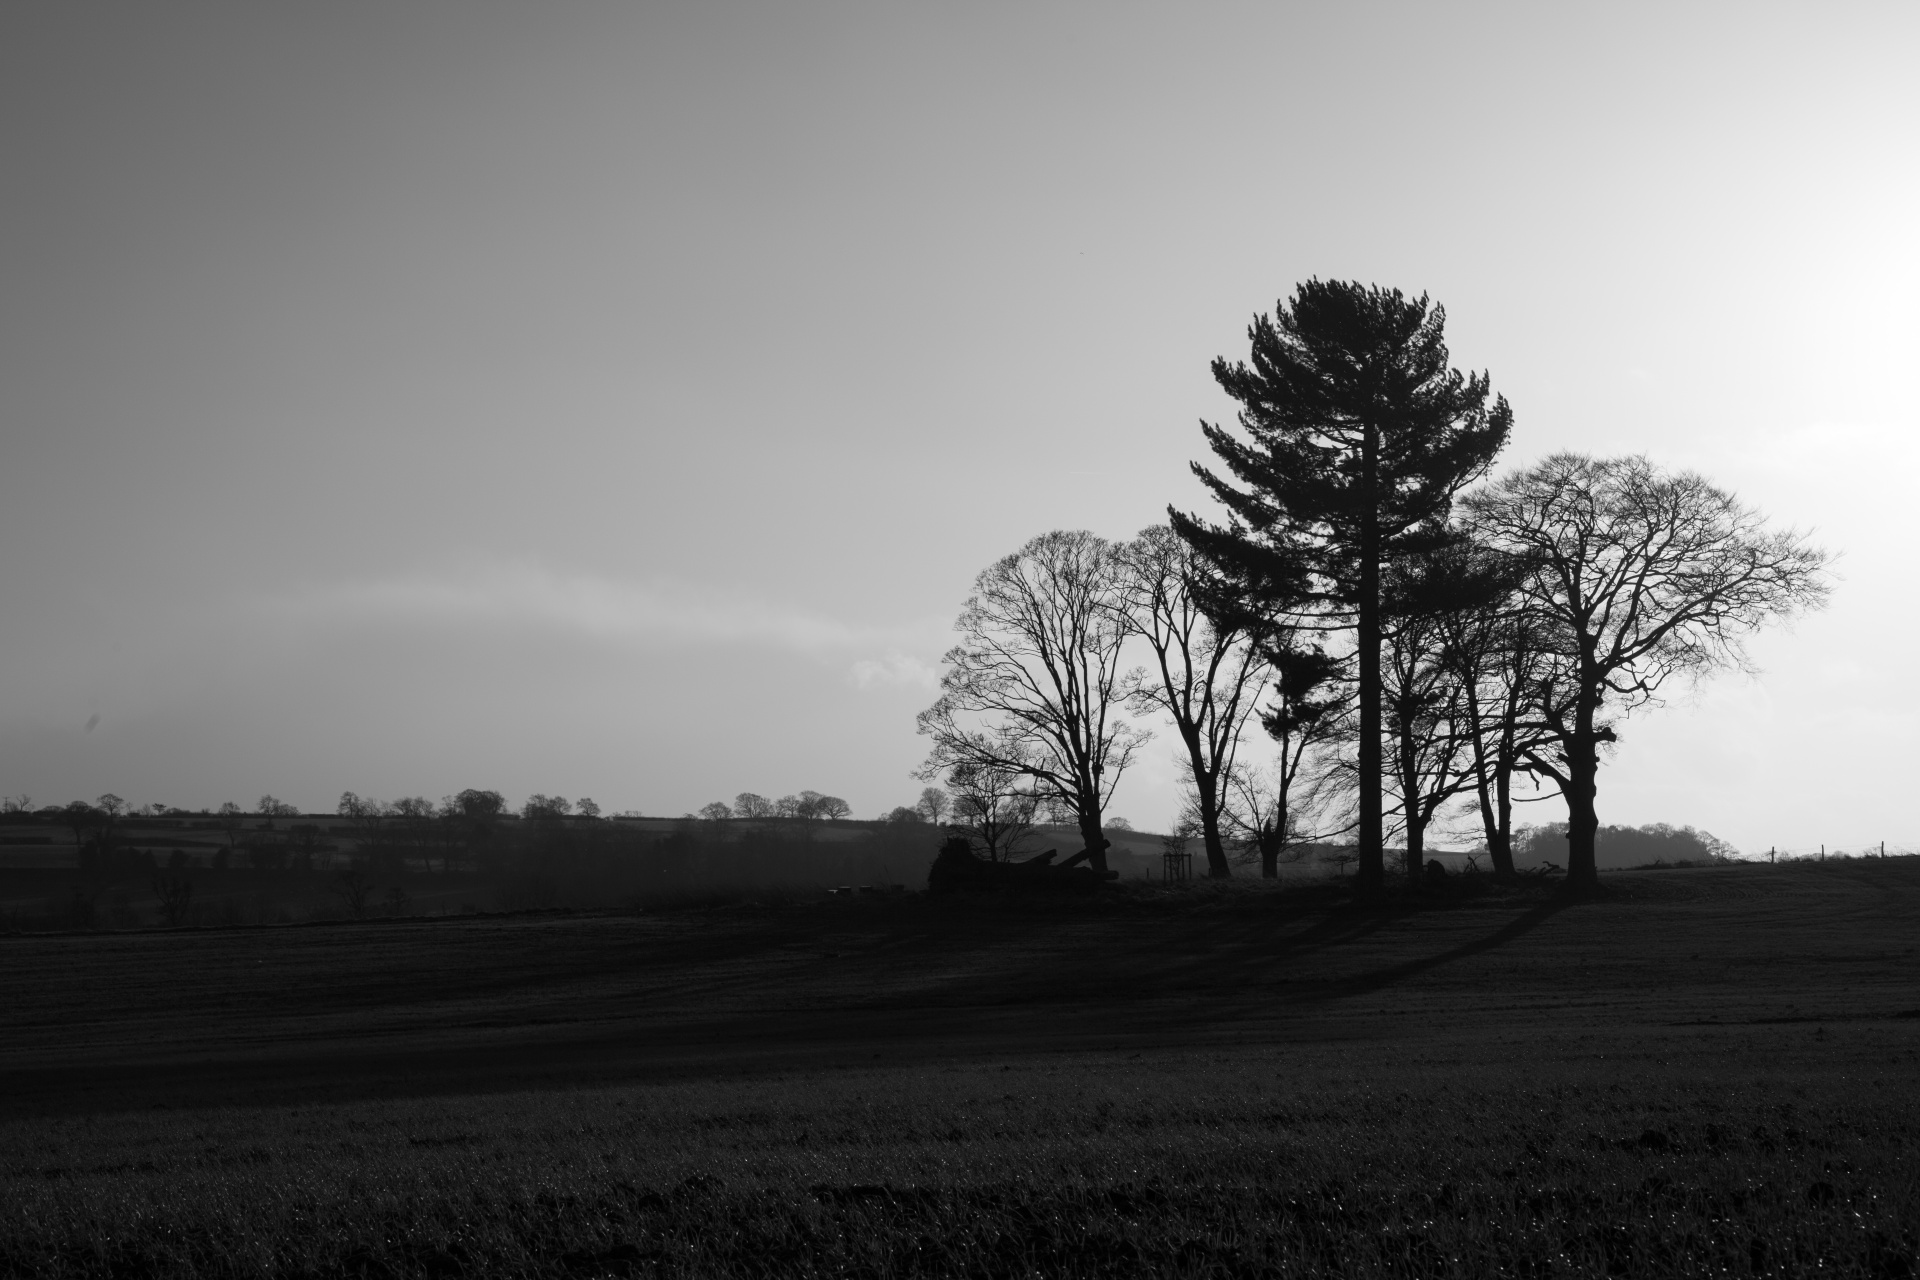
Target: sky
(618, 400)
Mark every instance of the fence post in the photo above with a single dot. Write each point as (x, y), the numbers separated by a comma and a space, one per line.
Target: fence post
(1770, 853)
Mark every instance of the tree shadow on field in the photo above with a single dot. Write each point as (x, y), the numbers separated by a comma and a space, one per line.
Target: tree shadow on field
(1511, 931)
(1211, 955)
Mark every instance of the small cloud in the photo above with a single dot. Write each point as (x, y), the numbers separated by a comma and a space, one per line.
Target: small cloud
(896, 670)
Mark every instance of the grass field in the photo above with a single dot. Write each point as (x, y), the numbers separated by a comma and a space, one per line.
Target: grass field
(1703, 1072)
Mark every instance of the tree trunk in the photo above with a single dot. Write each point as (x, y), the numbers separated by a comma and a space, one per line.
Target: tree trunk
(1500, 830)
(1091, 839)
(1217, 867)
(1492, 787)
(1416, 826)
(1583, 822)
(1372, 872)
(1273, 837)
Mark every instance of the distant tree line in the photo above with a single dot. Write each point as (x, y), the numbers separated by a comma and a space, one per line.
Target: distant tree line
(1415, 642)
(808, 806)
(373, 856)
(1655, 844)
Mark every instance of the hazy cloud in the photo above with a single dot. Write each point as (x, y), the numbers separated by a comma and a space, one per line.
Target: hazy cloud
(895, 670)
(586, 605)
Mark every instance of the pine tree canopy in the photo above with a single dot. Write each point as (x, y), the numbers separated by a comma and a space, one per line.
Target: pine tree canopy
(1341, 363)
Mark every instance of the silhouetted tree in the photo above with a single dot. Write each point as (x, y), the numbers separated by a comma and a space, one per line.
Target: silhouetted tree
(1423, 703)
(1035, 684)
(232, 820)
(933, 804)
(1303, 718)
(475, 815)
(270, 808)
(1495, 654)
(749, 805)
(420, 831)
(82, 819)
(1206, 676)
(991, 806)
(718, 811)
(539, 808)
(1360, 435)
(1634, 576)
(174, 890)
(1424, 692)
(364, 815)
(354, 891)
(811, 806)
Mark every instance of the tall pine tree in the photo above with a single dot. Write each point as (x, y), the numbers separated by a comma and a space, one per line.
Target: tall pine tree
(1358, 437)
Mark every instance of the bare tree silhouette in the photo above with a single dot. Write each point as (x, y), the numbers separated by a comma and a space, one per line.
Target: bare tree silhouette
(1635, 576)
(354, 890)
(991, 806)
(1035, 683)
(1207, 673)
(933, 804)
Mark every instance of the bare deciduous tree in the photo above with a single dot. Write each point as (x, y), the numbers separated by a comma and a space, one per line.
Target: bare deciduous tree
(269, 807)
(80, 817)
(1035, 683)
(933, 804)
(174, 890)
(1423, 701)
(990, 805)
(1635, 576)
(354, 891)
(544, 808)
(1206, 675)
(1495, 653)
(1304, 718)
(812, 806)
(749, 805)
(232, 820)
(421, 829)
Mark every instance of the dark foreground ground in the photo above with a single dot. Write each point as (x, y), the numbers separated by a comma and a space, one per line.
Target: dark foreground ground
(1705, 1072)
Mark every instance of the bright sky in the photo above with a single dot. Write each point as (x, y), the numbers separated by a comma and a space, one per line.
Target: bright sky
(618, 400)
